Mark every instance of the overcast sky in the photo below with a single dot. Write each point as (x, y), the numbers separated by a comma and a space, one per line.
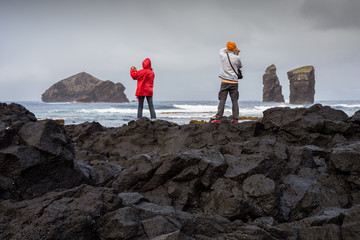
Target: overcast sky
(43, 42)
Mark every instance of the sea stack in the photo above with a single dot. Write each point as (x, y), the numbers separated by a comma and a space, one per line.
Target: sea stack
(83, 87)
(272, 90)
(302, 85)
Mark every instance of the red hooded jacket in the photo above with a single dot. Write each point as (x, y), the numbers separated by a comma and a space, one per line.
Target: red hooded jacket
(145, 78)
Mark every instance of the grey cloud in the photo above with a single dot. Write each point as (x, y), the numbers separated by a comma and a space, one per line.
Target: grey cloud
(333, 13)
(47, 41)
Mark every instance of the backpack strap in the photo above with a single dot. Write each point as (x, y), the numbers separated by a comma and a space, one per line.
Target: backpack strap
(231, 64)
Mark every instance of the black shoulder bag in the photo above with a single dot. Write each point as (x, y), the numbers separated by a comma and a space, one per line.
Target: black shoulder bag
(238, 73)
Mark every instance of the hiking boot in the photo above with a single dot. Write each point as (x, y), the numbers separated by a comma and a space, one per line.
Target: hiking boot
(215, 121)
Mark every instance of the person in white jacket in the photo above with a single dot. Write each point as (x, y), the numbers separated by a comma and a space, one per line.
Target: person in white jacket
(229, 81)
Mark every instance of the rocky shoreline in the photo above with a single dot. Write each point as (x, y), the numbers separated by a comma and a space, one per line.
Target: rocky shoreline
(293, 175)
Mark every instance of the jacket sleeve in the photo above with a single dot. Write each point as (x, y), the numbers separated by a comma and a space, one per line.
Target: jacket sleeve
(134, 74)
(240, 63)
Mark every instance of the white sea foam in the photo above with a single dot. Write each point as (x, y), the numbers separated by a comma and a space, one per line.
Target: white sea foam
(346, 105)
(58, 103)
(194, 108)
(212, 109)
(252, 111)
(257, 110)
(109, 110)
(114, 115)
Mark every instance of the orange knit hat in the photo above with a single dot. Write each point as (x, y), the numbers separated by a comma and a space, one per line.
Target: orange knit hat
(230, 46)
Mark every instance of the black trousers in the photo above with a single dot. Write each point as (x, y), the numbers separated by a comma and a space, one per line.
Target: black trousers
(141, 106)
(232, 90)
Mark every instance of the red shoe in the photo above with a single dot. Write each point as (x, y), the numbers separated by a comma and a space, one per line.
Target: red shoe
(215, 121)
(234, 121)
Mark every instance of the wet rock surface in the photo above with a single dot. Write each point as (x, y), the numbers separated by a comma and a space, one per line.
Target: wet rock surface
(293, 175)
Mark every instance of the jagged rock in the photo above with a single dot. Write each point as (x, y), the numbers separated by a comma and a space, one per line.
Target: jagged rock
(325, 191)
(70, 214)
(225, 199)
(37, 156)
(138, 170)
(331, 223)
(260, 191)
(123, 223)
(294, 175)
(103, 172)
(244, 166)
(82, 131)
(170, 236)
(14, 116)
(354, 128)
(329, 231)
(302, 85)
(83, 87)
(356, 117)
(305, 124)
(272, 90)
(294, 190)
(347, 158)
(130, 198)
(350, 227)
(158, 226)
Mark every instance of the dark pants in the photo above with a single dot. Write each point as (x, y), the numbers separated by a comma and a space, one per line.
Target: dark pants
(141, 106)
(232, 89)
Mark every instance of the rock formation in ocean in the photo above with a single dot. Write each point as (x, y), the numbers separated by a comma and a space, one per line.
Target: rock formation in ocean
(83, 87)
(302, 85)
(272, 90)
(293, 175)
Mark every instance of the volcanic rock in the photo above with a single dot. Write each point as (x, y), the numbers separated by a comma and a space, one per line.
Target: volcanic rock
(272, 88)
(68, 214)
(35, 156)
(83, 87)
(293, 175)
(302, 85)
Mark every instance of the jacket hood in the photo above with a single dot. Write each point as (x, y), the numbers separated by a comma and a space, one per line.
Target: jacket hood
(146, 64)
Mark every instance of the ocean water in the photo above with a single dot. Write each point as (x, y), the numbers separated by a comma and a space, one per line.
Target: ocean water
(180, 112)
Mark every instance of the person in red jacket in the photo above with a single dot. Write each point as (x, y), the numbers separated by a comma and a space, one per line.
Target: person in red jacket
(145, 84)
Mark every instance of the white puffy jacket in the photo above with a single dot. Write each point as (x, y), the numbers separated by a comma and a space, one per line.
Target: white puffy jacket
(226, 72)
